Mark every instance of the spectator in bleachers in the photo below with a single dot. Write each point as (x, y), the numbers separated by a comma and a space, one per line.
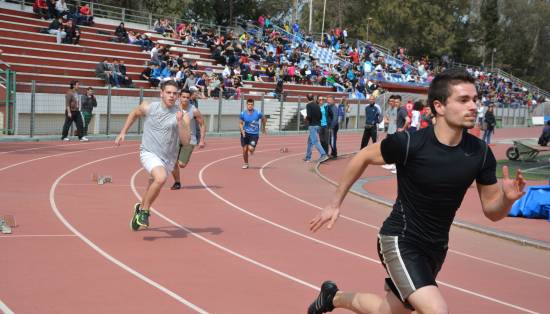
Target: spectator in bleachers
(270, 72)
(61, 9)
(147, 75)
(141, 40)
(157, 26)
(201, 84)
(189, 81)
(89, 102)
(52, 13)
(121, 34)
(85, 17)
(73, 33)
(56, 28)
(120, 71)
(72, 113)
(214, 86)
(104, 72)
(40, 8)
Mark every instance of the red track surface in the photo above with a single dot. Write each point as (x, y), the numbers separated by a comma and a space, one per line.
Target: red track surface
(231, 241)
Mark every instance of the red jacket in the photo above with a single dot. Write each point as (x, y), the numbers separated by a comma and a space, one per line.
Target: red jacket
(41, 4)
(85, 11)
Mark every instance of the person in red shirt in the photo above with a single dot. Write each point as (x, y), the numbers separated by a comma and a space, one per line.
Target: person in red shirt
(409, 106)
(86, 17)
(40, 7)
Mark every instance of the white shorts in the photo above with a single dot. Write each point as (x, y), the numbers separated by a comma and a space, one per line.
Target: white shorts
(150, 161)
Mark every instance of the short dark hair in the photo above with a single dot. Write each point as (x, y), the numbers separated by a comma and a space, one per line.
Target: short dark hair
(418, 105)
(440, 88)
(73, 83)
(250, 100)
(310, 97)
(397, 97)
(168, 83)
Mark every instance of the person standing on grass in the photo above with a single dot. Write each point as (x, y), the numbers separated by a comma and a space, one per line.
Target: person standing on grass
(165, 127)
(435, 167)
(250, 129)
(186, 150)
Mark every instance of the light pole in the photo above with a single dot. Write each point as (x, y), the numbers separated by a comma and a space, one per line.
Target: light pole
(310, 14)
(493, 59)
(368, 22)
(323, 26)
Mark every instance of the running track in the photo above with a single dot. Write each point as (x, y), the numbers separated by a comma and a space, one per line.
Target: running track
(231, 241)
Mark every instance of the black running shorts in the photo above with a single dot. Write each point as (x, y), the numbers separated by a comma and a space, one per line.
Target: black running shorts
(249, 139)
(409, 266)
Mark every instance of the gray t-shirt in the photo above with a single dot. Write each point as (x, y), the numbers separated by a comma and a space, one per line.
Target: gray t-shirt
(401, 118)
(160, 134)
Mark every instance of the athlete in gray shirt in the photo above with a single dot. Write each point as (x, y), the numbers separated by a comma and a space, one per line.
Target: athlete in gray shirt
(165, 127)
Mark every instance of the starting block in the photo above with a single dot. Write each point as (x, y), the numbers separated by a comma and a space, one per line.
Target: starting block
(104, 179)
(284, 150)
(6, 223)
(101, 179)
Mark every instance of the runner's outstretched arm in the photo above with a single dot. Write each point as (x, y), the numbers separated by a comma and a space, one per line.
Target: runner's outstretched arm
(184, 122)
(202, 127)
(264, 121)
(370, 155)
(139, 111)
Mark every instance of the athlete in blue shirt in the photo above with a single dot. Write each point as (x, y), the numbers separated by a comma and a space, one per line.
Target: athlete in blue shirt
(250, 129)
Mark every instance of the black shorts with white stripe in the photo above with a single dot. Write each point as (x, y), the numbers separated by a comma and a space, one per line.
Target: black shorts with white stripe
(409, 266)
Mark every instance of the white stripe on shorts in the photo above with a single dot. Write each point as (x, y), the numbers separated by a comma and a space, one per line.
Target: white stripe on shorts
(397, 270)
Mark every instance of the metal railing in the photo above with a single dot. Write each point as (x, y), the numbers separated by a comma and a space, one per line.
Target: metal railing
(41, 113)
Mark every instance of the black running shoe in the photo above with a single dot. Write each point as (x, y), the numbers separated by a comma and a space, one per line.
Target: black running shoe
(176, 186)
(143, 218)
(133, 222)
(323, 303)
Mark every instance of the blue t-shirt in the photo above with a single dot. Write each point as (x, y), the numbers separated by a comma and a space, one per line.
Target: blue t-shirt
(251, 121)
(324, 115)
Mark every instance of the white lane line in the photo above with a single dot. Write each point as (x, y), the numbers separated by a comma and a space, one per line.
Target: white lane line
(40, 236)
(201, 178)
(376, 227)
(56, 155)
(102, 252)
(337, 247)
(4, 308)
(221, 247)
(27, 149)
(299, 199)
